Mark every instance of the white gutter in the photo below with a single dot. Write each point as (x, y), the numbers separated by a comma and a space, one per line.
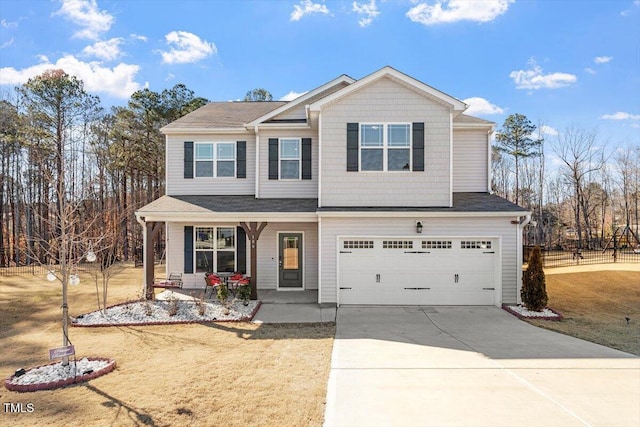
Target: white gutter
(257, 168)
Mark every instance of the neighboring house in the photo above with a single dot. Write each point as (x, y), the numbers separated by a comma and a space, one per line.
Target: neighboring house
(372, 191)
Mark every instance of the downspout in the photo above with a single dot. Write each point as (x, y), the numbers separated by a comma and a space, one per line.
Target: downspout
(522, 222)
(143, 223)
(257, 168)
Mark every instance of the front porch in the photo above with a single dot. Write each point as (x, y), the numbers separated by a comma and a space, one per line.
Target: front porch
(267, 296)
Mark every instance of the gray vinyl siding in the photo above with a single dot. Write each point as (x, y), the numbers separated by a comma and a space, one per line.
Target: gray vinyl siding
(267, 253)
(291, 188)
(499, 228)
(470, 158)
(176, 183)
(385, 101)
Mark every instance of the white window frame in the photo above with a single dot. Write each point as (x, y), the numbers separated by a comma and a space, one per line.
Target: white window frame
(215, 249)
(215, 159)
(289, 159)
(385, 146)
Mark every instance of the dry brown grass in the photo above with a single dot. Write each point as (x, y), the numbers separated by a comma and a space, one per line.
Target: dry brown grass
(595, 304)
(231, 374)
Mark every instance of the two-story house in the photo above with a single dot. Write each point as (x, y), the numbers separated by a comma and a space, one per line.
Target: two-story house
(372, 191)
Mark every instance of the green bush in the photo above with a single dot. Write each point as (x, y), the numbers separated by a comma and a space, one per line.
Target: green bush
(534, 289)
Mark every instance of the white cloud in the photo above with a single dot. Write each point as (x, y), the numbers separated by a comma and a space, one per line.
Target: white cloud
(5, 24)
(602, 59)
(481, 106)
(458, 10)
(533, 78)
(186, 48)
(590, 70)
(620, 116)
(117, 81)
(85, 13)
(548, 130)
(307, 7)
(138, 37)
(107, 50)
(291, 96)
(7, 43)
(367, 12)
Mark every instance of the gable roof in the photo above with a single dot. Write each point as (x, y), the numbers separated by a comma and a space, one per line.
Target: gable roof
(217, 115)
(387, 71)
(309, 97)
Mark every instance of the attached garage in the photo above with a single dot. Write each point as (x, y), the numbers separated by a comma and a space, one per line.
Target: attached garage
(419, 270)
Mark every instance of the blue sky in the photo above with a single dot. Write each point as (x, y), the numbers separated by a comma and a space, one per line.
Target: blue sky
(557, 62)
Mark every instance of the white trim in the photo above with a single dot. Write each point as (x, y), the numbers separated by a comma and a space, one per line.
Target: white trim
(320, 262)
(411, 214)
(319, 160)
(209, 216)
(299, 100)
(200, 131)
(299, 159)
(450, 159)
(385, 146)
(488, 150)
(304, 261)
(257, 165)
(473, 126)
(387, 71)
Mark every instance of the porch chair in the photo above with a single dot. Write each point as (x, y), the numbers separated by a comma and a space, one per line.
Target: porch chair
(173, 282)
(211, 280)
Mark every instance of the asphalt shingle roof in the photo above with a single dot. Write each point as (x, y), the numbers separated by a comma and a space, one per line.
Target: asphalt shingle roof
(462, 202)
(224, 115)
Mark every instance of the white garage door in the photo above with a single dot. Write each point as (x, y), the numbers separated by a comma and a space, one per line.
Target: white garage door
(417, 271)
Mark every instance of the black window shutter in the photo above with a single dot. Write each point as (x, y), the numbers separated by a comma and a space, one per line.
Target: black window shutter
(188, 160)
(273, 158)
(352, 147)
(418, 147)
(241, 159)
(241, 250)
(188, 249)
(306, 158)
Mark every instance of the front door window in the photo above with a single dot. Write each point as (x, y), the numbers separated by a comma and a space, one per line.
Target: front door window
(290, 265)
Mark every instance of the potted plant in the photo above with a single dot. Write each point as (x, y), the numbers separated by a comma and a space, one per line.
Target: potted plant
(223, 296)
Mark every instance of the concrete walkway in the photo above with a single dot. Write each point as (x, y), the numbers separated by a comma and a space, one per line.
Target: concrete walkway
(472, 366)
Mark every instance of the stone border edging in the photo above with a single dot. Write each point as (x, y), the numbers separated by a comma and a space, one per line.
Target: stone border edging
(23, 388)
(556, 318)
(177, 322)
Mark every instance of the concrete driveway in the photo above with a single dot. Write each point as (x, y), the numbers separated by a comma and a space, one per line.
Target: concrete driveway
(472, 366)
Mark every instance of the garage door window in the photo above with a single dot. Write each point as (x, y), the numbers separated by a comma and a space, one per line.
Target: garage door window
(436, 244)
(475, 244)
(397, 244)
(358, 244)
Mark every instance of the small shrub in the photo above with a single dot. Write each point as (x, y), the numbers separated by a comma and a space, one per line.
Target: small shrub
(201, 307)
(172, 309)
(534, 289)
(223, 296)
(147, 308)
(244, 293)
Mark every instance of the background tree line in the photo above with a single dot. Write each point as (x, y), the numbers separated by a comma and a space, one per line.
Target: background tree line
(590, 192)
(68, 166)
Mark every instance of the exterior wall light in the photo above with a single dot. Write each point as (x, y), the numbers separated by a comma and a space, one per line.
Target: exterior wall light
(419, 227)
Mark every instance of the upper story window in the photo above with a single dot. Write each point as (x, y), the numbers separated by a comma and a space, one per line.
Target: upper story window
(215, 159)
(385, 147)
(290, 158)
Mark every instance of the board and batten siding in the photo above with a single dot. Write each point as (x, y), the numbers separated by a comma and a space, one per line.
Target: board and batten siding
(287, 188)
(267, 253)
(470, 158)
(385, 101)
(177, 185)
(499, 228)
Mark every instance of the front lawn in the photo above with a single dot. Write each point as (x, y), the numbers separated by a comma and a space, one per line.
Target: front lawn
(595, 305)
(232, 374)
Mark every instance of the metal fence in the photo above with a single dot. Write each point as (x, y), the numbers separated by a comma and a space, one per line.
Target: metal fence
(570, 257)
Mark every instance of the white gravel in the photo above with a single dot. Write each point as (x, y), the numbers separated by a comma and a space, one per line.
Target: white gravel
(522, 310)
(138, 313)
(57, 372)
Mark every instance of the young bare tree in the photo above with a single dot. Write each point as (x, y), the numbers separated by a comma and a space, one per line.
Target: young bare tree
(57, 107)
(578, 150)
